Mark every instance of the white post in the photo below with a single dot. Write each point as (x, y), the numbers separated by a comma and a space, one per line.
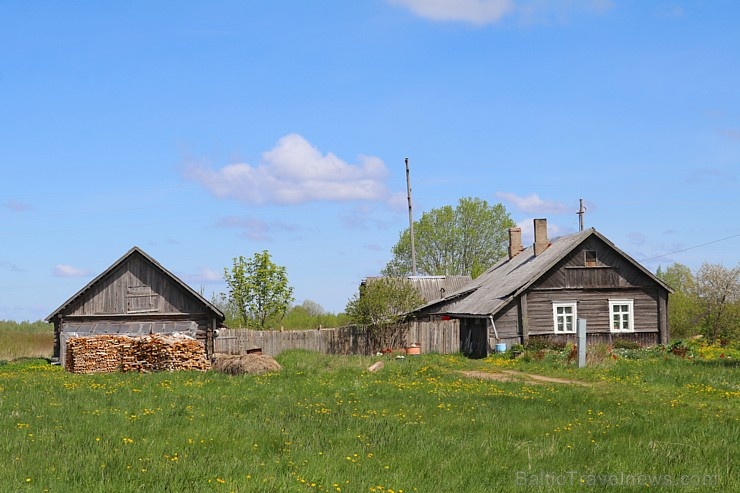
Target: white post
(581, 331)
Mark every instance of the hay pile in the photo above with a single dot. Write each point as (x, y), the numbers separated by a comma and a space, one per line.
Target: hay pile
(110, 353)
(240, 364)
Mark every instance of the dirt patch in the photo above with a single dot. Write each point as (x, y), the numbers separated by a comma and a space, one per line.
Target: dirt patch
(518, 376)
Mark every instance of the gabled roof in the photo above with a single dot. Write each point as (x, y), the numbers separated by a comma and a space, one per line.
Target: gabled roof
(156, 265)
(433, 288)
(508, 278)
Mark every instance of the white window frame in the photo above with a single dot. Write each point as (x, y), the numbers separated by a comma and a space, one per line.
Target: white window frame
(629, 314)
(573, 315)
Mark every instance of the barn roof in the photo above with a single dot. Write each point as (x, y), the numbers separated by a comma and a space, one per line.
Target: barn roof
(508, 278)
(435, 287)
(136, 251)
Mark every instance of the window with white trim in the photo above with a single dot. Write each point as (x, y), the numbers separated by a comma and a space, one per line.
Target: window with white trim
(564, 317)
(621, 315)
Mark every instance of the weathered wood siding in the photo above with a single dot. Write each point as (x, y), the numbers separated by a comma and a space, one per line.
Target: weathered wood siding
(89, 328)
(433, 337)
(591, 287)
(642, 338)
(612, 270)
(441, 337)
(507, 322)
(594, 307)
(135, 297)
(134, 287)
(479, 337)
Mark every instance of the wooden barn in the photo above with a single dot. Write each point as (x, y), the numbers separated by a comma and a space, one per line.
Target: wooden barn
(135, 296)
(541, 291)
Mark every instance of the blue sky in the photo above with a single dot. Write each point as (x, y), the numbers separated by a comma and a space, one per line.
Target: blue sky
(201, 131)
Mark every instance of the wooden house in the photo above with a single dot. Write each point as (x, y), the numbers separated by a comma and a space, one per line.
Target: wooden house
(541, 291)
(135, 296)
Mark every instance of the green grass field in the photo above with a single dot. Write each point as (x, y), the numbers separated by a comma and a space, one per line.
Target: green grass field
(26, 339)
(324, 424)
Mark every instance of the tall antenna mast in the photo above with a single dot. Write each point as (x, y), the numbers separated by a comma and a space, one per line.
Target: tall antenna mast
(581, 212)
(411, 220)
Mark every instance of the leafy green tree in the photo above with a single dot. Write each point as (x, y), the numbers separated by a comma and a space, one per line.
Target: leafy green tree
(381, 304)
(232, 318)
(464, 240)
(258, 289)
(683, 307)
(706, 302)
(311, 315)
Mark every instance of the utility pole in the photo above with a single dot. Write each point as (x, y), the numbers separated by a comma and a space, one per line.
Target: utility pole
(581, 212)
(411, 220)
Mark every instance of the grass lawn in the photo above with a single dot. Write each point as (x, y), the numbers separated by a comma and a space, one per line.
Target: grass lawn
(26, 339)
(325, 424)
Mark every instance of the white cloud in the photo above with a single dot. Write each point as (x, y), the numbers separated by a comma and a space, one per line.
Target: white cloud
(204, 275)
(253, 228)
(731, 133)
(18, 206)
(473, 11)
(363, 217)
(671, 11)
(481, 12)
(64, 270)
(533, 204)
(295, 172)
(210, 275)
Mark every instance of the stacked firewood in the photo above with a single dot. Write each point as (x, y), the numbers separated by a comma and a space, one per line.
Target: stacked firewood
(109, 353)
(100, 354)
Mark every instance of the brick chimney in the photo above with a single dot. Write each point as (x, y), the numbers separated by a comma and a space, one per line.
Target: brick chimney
(515, 242)
(540, 236)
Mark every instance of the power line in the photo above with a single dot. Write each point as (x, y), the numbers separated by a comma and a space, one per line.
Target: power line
(690, 248)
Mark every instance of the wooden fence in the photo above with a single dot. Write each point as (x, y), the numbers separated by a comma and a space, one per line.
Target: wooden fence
(434, 337)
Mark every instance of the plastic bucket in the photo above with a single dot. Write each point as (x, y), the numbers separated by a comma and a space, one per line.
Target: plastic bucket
(501, 347)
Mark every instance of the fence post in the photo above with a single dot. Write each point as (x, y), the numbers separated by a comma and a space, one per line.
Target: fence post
(581, 330)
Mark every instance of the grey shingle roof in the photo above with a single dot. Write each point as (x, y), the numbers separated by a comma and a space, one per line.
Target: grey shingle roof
(430, 286)
(506, 279)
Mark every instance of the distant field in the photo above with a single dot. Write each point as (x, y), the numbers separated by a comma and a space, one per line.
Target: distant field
(324, 424)
(24, 339)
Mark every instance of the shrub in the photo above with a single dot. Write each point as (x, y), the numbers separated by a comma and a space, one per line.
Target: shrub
(679, 348)
(542, 343)
(625, 344)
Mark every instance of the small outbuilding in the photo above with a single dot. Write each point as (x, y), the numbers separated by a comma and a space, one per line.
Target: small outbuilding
(135, 296)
